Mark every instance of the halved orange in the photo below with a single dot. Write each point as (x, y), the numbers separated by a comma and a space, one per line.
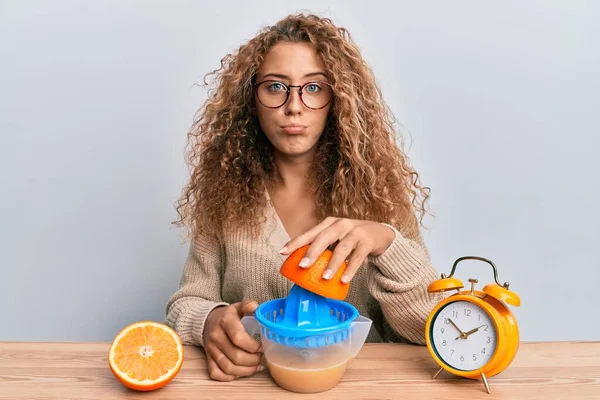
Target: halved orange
(146, 355)
(312, 278)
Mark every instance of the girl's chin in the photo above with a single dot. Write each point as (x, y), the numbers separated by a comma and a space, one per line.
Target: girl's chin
(294, 151)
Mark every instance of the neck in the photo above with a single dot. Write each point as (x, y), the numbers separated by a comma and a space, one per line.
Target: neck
(293, 172)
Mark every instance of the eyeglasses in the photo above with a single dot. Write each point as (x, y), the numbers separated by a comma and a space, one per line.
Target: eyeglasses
(274, 94)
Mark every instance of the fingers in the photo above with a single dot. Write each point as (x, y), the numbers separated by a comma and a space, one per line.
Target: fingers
(245, 307)
(308, 236)
(354, 248)
(215, 372)
(361, 251)
(228, 367)
(351, 238)
(230, 351)
(236, 334)
(336, 231)
(341, 253)
(240, 357)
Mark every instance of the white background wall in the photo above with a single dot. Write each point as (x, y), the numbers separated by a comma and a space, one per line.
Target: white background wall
(499, 101)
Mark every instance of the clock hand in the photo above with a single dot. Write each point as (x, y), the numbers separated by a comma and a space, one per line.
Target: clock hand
(466, 334)
(462, 334)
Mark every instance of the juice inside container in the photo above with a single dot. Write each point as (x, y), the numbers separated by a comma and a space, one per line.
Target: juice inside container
(307, 371)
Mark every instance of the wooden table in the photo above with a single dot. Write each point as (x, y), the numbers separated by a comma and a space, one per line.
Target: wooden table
(550, 370)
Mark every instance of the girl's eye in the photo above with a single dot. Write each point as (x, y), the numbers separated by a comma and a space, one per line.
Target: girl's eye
(312, 88)
(276, 87)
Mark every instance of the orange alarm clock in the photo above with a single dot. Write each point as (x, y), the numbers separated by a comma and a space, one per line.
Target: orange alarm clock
(473, 333)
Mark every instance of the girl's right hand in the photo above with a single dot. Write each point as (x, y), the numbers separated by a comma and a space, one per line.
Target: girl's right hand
(230, 351)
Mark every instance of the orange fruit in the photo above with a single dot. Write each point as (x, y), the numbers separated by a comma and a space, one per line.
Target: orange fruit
(146, 355)
(311, 278)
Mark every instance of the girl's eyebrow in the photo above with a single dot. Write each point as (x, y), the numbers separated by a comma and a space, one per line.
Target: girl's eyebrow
(282, 76)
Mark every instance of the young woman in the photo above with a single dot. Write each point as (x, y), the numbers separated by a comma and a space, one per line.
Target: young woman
(295, 146)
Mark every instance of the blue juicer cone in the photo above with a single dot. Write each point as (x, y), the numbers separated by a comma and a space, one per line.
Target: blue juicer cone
(305, 319)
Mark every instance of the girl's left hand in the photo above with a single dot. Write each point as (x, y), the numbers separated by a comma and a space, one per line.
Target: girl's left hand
(356, 239)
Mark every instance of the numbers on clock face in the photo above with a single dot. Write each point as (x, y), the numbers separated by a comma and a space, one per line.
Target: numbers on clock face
(463, 335)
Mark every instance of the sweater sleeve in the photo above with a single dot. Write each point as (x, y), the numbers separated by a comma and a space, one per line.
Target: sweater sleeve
(398, 280)
(199, 290)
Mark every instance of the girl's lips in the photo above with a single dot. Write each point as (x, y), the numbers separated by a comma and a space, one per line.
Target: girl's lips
(294, 130)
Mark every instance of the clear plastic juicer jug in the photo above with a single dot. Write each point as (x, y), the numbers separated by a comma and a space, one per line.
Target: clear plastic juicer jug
(308, 340)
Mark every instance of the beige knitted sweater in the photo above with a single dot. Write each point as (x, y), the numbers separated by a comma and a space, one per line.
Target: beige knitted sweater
(390, 289)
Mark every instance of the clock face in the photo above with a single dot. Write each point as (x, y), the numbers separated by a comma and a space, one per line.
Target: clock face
(463, 335)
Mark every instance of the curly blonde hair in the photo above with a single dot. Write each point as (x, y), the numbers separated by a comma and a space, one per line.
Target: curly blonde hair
(359, 172)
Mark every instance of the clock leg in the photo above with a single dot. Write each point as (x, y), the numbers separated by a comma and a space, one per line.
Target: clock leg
(485, 383)
(437, 373)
